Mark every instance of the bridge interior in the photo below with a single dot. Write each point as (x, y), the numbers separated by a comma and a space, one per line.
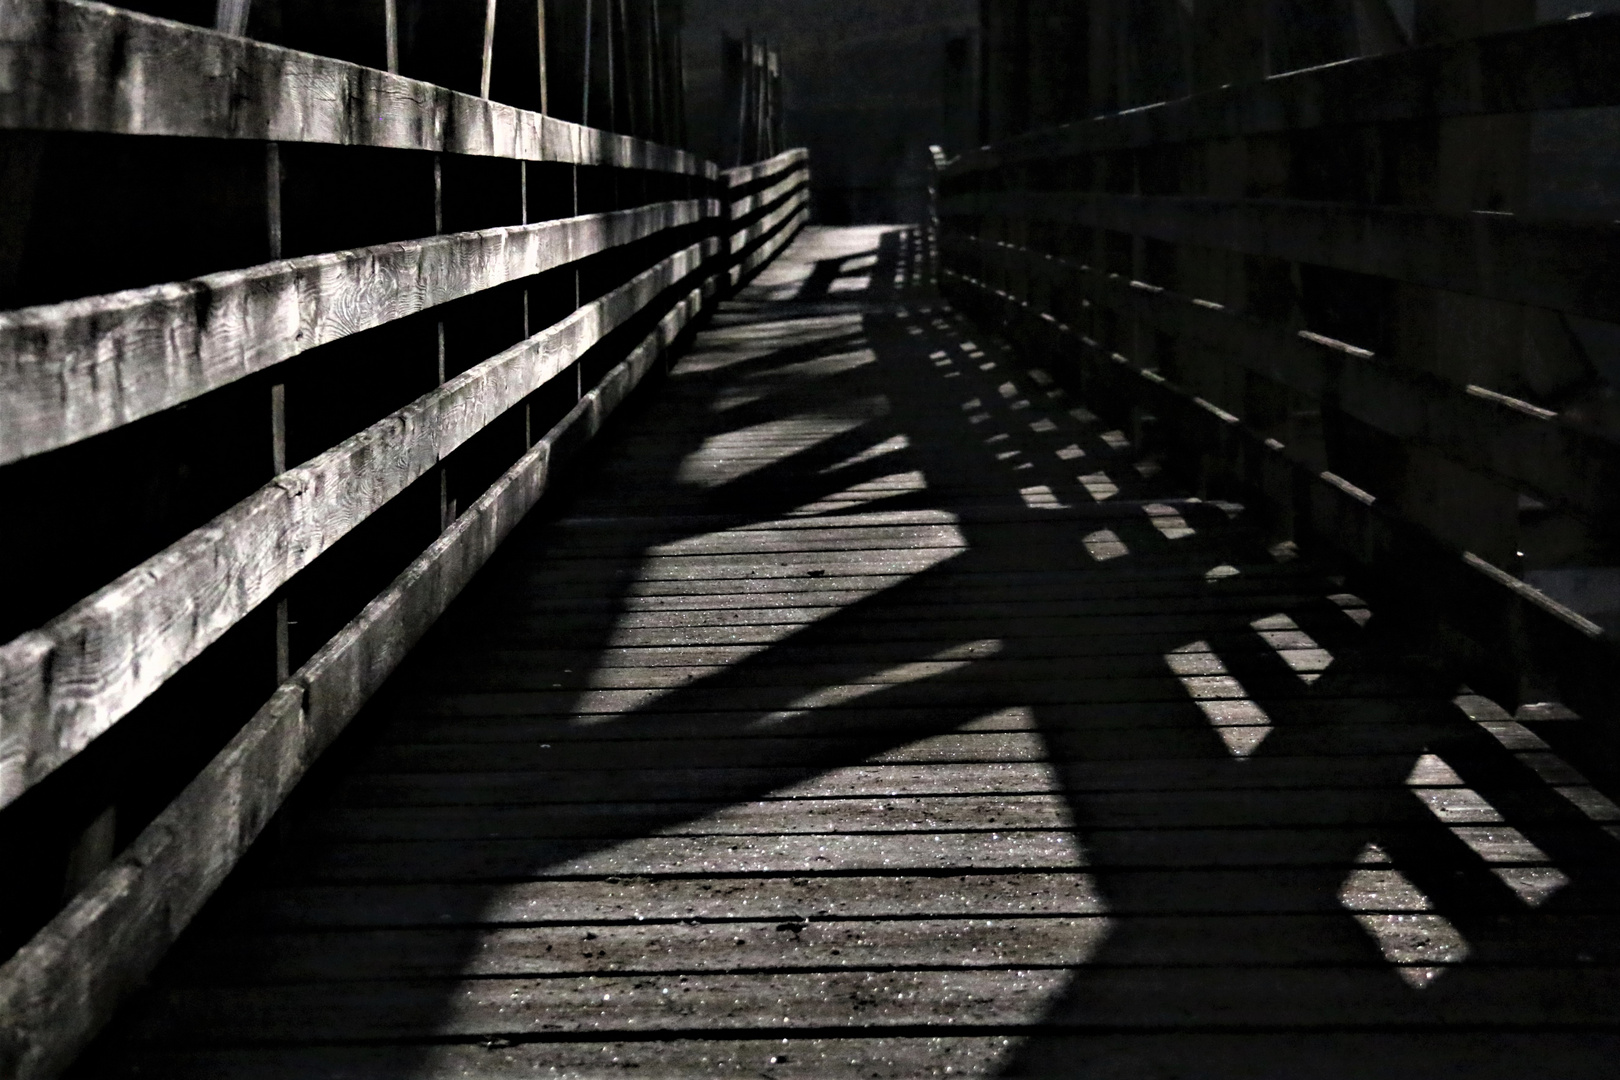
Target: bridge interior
(494, 591)
(869, 707)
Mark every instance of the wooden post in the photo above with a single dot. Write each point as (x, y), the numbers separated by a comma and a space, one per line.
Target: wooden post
(658, 76)
(278, 400)
(391, 34)
(649, 71)
(585, 100)
(447, 505)
(231, 16)
(545, 85)
(488, 67)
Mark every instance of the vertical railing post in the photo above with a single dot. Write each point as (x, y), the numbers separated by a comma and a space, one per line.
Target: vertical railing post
(487, 67)
(391, 34)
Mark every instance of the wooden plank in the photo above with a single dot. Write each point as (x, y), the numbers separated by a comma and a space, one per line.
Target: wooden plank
(809, 674)
(513, 860)
(61, 987)
(1150, 998)
(639, 898)
(814, 945)
(1500, 1054)
(64, 684)
(635, 899)
(743, 175)
(648, 751)
(742, 238)
(1574, 468)
(547, 787)
(79, 66)
(748, 204)
(69, 371)
(770, 817)
(1359, 759)
(1104, 850)
(1557, 65)
(1566, 266)
(770, 249)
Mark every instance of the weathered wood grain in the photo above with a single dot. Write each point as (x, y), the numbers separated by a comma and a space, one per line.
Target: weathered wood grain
(741, 239)
(743, 175)
(64, 684)
(628, 899)
(77, 66)
(1565, 266)
(69, 371)
(1572, 467)
(748, 204)
(59, 989)
(1557, 65)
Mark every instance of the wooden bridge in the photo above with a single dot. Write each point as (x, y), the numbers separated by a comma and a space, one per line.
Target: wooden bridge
(494, 594)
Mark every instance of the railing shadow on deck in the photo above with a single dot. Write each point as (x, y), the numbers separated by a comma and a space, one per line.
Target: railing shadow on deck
(1238, 925)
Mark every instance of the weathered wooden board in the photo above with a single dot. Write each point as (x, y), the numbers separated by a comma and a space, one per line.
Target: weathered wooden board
(743, 238)
(1499, 1054)
(748, 204)
(638, 898)
(1571, 467)
(61, 987)
(1566, 266)
(1557, 65)
(743, 175)
(64, 684)
(78, 66)
(72, 370)
(1008, 998)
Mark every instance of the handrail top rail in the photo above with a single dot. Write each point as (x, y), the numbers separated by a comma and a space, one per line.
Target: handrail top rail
(1557, 65)
(177, 79)
(783, 162)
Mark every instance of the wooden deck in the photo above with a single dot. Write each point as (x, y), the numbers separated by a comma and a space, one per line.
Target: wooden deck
(872, 709)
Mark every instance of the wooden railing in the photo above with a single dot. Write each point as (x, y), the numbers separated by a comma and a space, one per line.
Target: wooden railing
(252, 454)
(1255, 306)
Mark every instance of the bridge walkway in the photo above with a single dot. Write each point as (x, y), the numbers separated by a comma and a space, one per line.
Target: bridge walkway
(869, 707)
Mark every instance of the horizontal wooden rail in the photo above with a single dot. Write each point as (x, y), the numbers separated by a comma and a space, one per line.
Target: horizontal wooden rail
(786, 161)
(60, 988)
(1558, 65)
(69, 371)
(66, 683)
(748, 204)
(70, 65)
(793, 217)
(762, 226)
(1565, 266)
(1502, 633)
(1518, 443)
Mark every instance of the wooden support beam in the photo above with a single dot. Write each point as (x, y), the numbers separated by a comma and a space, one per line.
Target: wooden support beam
(70, 371)
(66, 683)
